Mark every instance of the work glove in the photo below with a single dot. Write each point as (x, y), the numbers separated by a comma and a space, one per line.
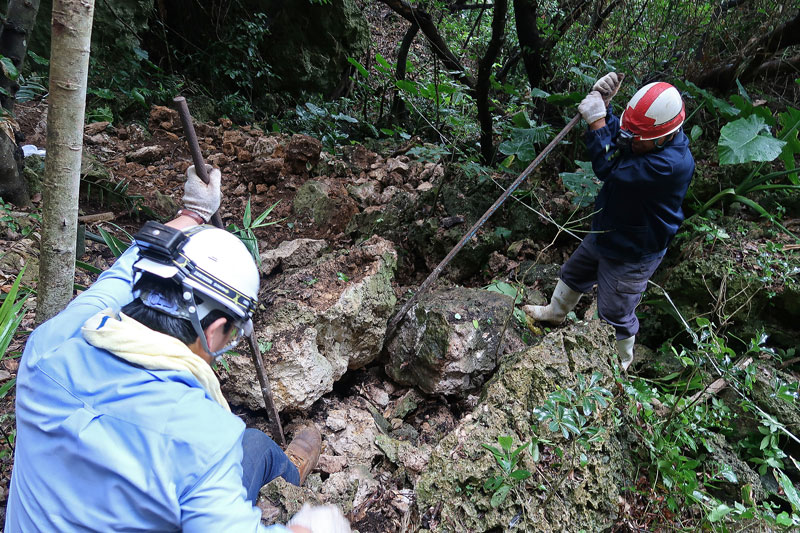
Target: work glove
(592, 108)
(201, 198)
(321, 519)
(608, 85)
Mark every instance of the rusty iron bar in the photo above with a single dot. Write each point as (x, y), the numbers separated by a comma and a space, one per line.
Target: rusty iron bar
(266, 391)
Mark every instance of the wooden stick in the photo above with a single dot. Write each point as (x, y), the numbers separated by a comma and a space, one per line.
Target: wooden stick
(98, 217)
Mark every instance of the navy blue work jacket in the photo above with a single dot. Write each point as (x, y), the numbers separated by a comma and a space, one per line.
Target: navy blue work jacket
(638, 209)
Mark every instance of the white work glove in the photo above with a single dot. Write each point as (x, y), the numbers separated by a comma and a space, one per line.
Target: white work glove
(321, 519)
(201, 198)
(592, 108)
(608, 85)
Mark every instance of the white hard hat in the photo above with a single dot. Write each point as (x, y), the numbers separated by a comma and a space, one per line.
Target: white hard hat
(216, 266)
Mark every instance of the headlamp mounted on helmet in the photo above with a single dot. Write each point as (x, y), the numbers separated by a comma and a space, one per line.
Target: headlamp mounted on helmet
(161, 252)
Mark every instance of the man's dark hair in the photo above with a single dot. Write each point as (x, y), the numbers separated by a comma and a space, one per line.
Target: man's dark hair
(161, 322)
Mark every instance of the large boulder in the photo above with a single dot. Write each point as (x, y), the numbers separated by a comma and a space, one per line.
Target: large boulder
(326, 202)
(323, 319)
(451, 340)
(449, 491)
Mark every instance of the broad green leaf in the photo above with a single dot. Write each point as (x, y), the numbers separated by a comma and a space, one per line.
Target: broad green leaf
(519, 475)
(521, 120)
(728, 474)
(382, 62)
(359, 67)
(407, 86)
(492, 449)
(505, 442)
(316, 109)
(39, 60)
(500, 496)
(581, 182)
(346, 118)
(523, 142)
(695, 133)
(790, 124)
(9, 69)
(789, 491)
(713, 104)
(492, 483)
(535, 455)
(138, 97)
(747, 139)
(566, 99)
(719, 513)
(506, 288)
(783, 519)
(538, 93)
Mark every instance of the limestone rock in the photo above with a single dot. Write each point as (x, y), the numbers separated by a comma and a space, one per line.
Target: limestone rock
(357, 440)
(146, 154)
(291, 254)
(301, 154)
(331, 464)
(265, 146)
(586, 500)
(451, 340)
(317, 326)
(327, 203)
(349, 488)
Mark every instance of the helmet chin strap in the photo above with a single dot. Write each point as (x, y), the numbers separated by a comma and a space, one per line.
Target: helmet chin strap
(188, 296)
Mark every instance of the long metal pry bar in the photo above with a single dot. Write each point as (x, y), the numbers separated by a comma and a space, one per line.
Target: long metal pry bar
(197, 157)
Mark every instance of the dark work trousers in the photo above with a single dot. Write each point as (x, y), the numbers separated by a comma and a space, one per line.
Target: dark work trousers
(620, 284)
(263, 461)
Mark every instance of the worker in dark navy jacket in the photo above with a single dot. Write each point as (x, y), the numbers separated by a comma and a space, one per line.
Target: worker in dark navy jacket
(646, 167)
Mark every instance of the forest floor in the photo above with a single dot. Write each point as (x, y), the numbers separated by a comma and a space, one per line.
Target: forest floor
(133, 169)
(147, 167)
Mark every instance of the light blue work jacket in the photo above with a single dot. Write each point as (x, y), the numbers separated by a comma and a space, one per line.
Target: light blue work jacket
(104, 445)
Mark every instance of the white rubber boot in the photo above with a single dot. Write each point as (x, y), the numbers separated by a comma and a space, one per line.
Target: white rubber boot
(562, 302)
(625, 351)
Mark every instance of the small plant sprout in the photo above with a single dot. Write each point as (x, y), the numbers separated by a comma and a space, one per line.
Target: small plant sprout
(245, 233)
(510, 476)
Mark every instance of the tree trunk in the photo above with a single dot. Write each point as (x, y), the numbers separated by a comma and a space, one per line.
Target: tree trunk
(398, 105)
(484, 73)
(531, 44)
(69, 65)
(758, 51)
(418, 16)
(14, 36)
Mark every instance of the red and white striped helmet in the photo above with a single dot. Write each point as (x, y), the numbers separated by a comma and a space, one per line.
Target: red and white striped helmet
(655, 110)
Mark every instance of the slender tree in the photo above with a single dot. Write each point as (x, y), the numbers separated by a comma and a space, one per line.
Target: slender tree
(69, 65)
(484, 74)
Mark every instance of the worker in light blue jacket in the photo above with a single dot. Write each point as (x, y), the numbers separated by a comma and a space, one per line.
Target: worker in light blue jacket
(644, 162)
(121, 425)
